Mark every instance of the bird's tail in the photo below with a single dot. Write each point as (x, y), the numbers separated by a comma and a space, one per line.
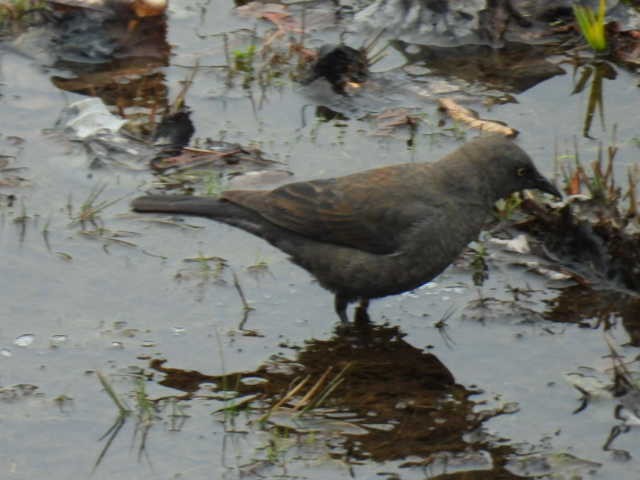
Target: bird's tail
(220, 210)
(184, 205)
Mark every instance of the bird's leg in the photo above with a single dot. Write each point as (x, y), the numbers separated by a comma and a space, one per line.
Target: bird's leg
(341, 304)
(361, 315)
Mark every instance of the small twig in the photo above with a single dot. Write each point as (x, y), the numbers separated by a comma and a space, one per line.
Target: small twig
(285, 399)
(213, 152)
(379, 55)
(179, 101)
(333, 384)
(245, 305)
(316, 387)
(236, 283)
(367, 48)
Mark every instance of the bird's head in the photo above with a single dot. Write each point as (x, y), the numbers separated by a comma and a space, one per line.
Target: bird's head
(507, 167)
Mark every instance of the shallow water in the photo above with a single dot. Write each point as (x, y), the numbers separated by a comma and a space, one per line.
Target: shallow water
(73, 305)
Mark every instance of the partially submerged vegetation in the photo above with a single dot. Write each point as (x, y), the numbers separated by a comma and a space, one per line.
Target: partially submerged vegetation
(596, 231)
(592, 25)
(281, 58)
(146, 412)
(592, 74)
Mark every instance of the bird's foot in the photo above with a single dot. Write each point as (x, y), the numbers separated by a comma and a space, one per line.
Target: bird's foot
(361, 316)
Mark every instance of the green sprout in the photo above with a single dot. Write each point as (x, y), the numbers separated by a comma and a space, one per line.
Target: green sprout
(243, 59)
(592, 25)
(479, 266)
(243, 62)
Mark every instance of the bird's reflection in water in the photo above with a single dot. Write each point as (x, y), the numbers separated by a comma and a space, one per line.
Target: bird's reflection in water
(402, 400)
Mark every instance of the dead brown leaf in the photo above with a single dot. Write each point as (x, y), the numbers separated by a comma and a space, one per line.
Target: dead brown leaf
(461, 114)
(574, 183)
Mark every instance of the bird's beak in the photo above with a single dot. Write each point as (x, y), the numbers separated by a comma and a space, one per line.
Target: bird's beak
(541, 183)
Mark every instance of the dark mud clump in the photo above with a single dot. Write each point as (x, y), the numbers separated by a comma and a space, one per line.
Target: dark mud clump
(340, 65)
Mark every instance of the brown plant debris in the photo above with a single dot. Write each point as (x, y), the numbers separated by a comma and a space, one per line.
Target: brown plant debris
(393, 118)
(461, 114)
(213, 154)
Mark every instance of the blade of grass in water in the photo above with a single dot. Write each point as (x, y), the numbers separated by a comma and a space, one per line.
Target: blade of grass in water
(592, 25)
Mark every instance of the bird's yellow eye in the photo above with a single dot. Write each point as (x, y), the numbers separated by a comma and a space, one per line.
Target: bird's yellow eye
(521, 172)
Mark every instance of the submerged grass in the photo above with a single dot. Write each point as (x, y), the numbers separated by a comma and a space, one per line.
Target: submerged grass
(626, 388)
(593, 75)
(91, 208)
(146, 414)
(313, 398)
(123, 413)
(209, 268)
(123, 409)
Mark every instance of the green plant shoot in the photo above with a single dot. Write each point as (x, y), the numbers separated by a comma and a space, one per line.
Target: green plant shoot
(592, 25)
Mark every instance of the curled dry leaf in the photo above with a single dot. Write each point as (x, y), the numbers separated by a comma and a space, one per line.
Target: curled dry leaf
(471, 118)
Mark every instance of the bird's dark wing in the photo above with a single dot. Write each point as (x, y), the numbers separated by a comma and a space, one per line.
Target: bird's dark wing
(369, 211)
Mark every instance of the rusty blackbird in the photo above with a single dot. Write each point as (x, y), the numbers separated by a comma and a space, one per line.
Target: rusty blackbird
(378, 232)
